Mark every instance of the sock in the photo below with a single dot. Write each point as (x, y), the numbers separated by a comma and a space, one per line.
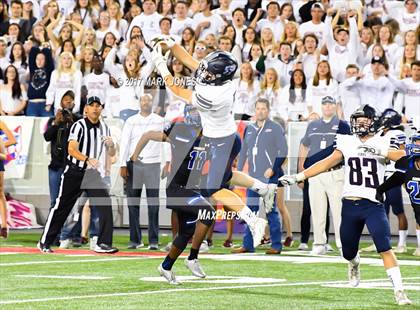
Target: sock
(168, 263)
(193, 254)
(418, 237)
(403, 237)
(355, 261)
(394, 276)
(247, 215)
(259, 186)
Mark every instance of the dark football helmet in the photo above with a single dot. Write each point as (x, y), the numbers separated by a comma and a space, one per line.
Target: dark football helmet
(216, 68)
(390, 119)
(413, 149)
(368, 127)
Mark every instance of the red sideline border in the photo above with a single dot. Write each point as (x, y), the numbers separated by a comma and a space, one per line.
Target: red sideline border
(29, 250)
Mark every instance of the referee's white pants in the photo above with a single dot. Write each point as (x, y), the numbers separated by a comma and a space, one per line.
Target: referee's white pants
(323, 188)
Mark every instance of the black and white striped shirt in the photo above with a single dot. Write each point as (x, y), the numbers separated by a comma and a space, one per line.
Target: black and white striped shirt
(89, 136)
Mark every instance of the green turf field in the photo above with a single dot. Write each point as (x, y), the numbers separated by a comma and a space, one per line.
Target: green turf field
(287, 281)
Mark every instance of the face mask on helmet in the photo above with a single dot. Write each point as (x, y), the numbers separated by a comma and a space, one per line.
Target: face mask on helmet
(202, 75)
(362, 126)
(192, 116)
(413, 149)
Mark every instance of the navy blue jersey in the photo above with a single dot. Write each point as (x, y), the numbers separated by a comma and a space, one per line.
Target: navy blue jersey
(188, 155)
(411, 178)
(319, 138)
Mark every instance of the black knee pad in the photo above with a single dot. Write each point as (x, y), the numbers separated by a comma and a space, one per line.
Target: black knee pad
(181, 241)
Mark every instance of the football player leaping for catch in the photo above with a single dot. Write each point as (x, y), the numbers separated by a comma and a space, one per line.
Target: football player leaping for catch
(364, 155)
(213, 96)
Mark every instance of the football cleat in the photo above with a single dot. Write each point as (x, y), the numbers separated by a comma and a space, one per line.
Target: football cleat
(65, 244)
(104, 248)
(318, 250)
(288, 242)
(354, 274)
(401, 298)
(370, 248)
(44, 248)
(417, 252)
(92, 243)
(400, 249)
(329, 248)
(169, 275)
(195, 268)
(258, 230)
(303, 247)
(204, 248)
(4, 232)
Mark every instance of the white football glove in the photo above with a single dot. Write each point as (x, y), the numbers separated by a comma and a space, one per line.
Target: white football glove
(373, 150)
(288, 180)
(160, 60)
(168, 40)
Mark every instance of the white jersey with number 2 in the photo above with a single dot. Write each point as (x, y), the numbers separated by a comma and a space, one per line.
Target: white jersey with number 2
(215, 104)
(363, 172)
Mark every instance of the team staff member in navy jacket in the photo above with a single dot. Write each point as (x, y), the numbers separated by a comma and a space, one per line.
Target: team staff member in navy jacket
(41, 65)
(265, 149)
(327, 187)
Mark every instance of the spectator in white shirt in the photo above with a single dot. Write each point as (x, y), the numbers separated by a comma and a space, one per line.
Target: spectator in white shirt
(88, 14)
(386, 39)
(224, 10)
(377, 51)
(97, 82)
(315, 25)
(294, 95)
(246, 93)
(349, 98)
(144, 170)
(230, 32)
(117, 22)
(408, 98)
(206, 22)
(283, 63)
(410, 38)
(238, 21)
(409, 18)
(65, 77)
(366, 41)
(343, 49)
(188, 40)
(310, 55)
(254, 55)
(105, 27)
(268, 43)
(131, 76)
(290, 34)
(181, 20)
(12, 93)
(322, 85)
(272, 21)
(165, 8)
(148, 20)
(270, 89)
(375, 90)
(249, 38)
(225, 44)
(409, 56)
(286, 12)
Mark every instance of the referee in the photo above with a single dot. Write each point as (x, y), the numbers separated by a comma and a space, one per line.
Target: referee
(88, 144)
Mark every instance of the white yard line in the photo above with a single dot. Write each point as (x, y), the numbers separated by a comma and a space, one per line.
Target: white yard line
(51, 262)
(216, 288)
(62, 277)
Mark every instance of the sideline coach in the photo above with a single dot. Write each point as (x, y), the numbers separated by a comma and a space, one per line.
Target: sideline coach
(88, 144)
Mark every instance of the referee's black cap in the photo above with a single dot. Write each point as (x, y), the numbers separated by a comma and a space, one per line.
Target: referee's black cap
(94, 99)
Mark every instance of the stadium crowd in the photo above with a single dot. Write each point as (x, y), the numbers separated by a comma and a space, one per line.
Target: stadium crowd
(310, 60)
